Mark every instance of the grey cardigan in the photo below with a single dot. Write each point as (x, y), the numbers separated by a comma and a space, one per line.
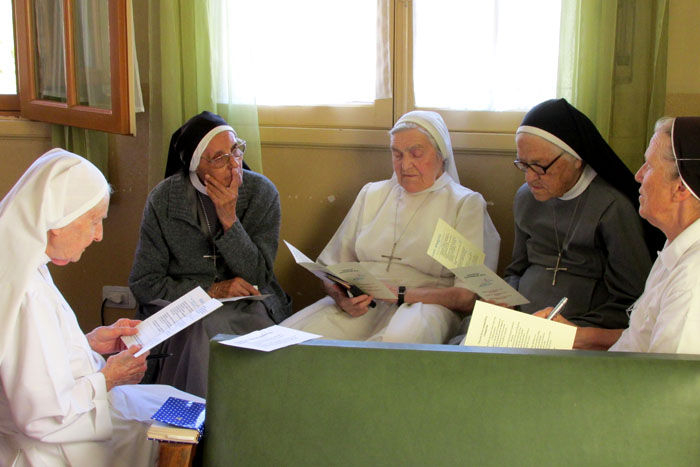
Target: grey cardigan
(169, 259)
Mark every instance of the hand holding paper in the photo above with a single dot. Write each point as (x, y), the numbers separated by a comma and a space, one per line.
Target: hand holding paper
(351, 273)
(466, 261)
(184, 311)
(495, 326)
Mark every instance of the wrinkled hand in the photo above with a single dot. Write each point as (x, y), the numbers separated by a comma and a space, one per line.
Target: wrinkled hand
(236, 287)
(124, 368)
(106, 339)
(225, 197)
(354, 306)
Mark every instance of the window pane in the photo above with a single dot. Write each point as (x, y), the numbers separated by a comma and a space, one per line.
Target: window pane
(50, 53)
(92, 53)
(8, 76)
(485, 54)
(306, 52)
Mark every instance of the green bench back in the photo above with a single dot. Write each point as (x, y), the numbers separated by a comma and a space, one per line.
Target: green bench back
(349, 403)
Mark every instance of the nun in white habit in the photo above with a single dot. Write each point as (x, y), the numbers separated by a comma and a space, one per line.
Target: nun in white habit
(388, 230)
(60, 402)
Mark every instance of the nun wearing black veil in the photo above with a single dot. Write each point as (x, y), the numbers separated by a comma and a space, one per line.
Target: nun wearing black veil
(214, 224)
(577, 232)
(666, 318)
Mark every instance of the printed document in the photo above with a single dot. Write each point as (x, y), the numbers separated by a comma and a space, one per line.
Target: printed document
(192, 306)
(466, 261)
(271, 338)
(352, 273)
(495, 326)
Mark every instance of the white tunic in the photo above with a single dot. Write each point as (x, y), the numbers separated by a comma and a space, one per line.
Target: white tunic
(54, 407)
(382, 214)
(666, 318)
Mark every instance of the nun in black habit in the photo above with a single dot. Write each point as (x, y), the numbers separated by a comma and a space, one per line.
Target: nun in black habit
(577, 231)
(214, 224)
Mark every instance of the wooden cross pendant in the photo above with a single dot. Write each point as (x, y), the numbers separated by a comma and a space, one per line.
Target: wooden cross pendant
(391, 257)
(556, 269)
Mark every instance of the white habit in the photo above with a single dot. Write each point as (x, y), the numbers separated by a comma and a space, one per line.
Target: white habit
(369, 231)
(666, 318)
(54, 407)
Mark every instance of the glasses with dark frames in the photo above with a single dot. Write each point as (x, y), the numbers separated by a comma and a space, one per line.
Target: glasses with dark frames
(537, 168)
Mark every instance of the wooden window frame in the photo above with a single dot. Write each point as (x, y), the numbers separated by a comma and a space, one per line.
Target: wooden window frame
(366, 125)
(121, 117)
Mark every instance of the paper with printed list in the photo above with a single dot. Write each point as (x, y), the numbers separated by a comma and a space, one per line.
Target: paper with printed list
(466, 261)
(192, 306)
(495, 326)
(271, 338)
(352, 273)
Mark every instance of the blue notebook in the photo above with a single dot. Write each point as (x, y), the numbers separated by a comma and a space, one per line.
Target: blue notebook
(182, 413)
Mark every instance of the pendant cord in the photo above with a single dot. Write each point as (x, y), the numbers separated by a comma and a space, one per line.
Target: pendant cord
(561, 249)
(211, 235)
(391, 256)
(396, 216)
(565, 242)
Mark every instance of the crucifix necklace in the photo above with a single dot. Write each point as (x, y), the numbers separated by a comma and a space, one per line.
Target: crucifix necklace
(391, 256)
(560, 249)
(213, 256)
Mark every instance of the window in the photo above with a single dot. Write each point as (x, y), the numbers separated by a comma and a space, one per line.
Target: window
(321, 63)
(314, 62)
(9, 100)
(75, 63)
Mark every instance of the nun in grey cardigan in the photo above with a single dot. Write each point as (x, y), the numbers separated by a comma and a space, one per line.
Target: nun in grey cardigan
(180, 234)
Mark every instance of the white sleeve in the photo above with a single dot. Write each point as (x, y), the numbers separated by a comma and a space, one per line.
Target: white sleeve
(54, 392)
(677, 327)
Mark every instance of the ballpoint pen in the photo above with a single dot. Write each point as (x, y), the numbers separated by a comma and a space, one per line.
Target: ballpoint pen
(557, 309)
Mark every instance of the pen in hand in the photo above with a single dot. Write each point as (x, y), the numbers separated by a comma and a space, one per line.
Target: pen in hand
(557, 309)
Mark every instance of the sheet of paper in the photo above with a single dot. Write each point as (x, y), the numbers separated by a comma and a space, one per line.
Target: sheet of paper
(466, 261)
(353, 273)
(488, 285)
(192, 306)
(244, 297)
(449, 248)
(269, 339)
(495, 326)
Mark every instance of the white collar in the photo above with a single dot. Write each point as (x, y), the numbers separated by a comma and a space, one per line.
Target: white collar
(673, 251)
(580, 186)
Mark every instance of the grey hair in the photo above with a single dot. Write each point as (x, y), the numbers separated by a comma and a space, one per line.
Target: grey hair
(664, 126)
(403, 126)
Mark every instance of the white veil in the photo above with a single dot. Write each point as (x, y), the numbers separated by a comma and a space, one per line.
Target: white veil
(55, 190)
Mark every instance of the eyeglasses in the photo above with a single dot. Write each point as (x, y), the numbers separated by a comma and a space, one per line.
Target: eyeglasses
(222, 159)
(538, 169)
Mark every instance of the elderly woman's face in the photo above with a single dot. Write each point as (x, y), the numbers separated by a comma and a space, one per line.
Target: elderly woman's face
(560, 177)
(223, 143)
(416, 161)
(66, 245)
(657, 183)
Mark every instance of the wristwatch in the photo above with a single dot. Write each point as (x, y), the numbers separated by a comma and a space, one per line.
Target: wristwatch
(402, 294)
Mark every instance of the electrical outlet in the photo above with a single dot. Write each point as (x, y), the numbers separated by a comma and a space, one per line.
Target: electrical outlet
(118, 297)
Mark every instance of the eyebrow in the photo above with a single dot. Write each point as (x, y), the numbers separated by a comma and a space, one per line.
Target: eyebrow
(410, 148)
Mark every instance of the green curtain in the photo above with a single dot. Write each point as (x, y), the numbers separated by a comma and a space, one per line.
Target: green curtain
(92, 145)
(612, 67)
(182, 79)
